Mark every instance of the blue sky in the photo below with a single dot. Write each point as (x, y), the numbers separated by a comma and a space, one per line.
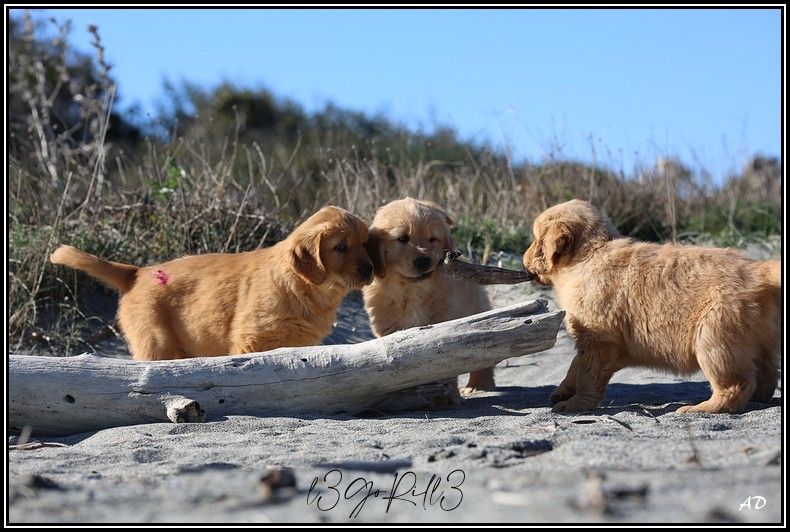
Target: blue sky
(624, 85)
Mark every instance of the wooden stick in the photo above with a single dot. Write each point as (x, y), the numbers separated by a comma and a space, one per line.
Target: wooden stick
(477, 273)
(55, 395)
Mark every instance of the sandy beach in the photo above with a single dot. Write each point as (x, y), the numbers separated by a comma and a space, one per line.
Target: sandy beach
(501, 456)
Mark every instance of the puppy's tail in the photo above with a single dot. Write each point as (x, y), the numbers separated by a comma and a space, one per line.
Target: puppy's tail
(119, 276)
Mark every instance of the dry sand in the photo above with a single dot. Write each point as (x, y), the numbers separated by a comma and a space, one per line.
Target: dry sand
(633, 460)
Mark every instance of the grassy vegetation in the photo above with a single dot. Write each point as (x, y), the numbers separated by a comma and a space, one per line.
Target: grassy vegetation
(233, 169)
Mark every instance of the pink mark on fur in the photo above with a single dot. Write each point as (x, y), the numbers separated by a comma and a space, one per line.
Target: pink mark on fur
(161, 277)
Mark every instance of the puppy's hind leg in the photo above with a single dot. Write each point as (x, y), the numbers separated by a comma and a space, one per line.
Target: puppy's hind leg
(728, 396)
(155, 346)
(767, 378)
(147, 333)
(731, 369)
(259, 342)
(770, 355)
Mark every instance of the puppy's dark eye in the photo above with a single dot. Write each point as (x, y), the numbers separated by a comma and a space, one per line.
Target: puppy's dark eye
(404, 239)
(432, 240)
(341, 248)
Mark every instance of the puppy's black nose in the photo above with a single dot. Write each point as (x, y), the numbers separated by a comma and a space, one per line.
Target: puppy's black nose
(364, 269)
(422, 263)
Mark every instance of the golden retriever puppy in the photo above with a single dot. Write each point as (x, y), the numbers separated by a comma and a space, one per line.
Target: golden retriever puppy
(671, 307)
(220, 304)
(407, 240)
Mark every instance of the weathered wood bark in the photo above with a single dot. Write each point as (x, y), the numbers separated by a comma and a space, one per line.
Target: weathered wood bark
(478, 273)
(88, 392)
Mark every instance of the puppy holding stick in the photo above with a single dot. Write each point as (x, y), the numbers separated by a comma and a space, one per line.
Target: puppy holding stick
(407, 241)
(219, 304)
(671, 307)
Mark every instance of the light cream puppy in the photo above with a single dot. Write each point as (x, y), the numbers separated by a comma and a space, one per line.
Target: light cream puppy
(405, 243)
(671, 307)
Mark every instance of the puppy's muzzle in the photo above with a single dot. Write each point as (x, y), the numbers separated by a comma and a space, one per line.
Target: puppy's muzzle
(422, 264)
(531, 275)
(365, 270)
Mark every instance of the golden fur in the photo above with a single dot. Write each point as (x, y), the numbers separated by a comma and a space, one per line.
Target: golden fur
(219, 304)
(406, 291)
(671, 307)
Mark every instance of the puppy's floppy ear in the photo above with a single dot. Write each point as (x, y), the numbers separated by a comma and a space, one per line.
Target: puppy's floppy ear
(443, 212)
(375, 248)
(558, 240)
(306, 256)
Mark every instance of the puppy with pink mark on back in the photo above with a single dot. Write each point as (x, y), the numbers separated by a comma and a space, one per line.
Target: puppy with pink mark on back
(286, 295)
(406, 241)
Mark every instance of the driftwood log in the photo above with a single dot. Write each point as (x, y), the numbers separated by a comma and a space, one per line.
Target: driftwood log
(480, 274)
(58, 396)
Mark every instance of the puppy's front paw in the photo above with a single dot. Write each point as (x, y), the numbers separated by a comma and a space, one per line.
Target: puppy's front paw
(574, 404)
(469, 389)
(560, 394)
(478, 385)
(706, 408)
